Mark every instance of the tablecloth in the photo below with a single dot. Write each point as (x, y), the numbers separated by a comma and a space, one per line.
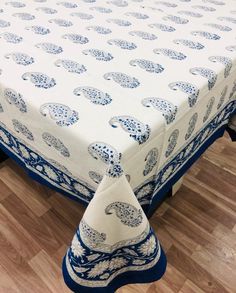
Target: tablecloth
(109, 102)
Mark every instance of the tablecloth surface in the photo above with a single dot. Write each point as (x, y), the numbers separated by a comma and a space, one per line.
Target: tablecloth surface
(107, 101)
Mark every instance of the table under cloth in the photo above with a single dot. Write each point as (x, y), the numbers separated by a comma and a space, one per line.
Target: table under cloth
(109, 102)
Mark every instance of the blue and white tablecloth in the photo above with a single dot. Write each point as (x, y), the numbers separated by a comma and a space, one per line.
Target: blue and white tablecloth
(110, 102)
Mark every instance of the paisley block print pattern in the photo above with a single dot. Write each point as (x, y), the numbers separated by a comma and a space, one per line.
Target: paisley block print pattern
(207, 73)
(20, 58)
(39, 79)
(122, 79)
(126, 93)
(187, 88)
(127, 213)
(62, 114)
(71, 66)
(16, 99)
(149, 66)
(167, 109)
(151, 161)
(137, 130)
(96, 96)
(108, 155)
(170, 53)
(51, 140)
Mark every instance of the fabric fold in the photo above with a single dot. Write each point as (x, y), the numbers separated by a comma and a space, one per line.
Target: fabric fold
(114, 244)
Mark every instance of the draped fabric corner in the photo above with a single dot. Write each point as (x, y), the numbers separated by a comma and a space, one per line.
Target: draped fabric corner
(114, 244)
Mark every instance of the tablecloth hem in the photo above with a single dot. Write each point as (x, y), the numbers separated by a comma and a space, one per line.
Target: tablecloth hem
(132, 277)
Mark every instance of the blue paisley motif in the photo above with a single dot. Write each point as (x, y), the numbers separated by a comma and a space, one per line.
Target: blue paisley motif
(94, 95)
(222, 97)
(172, 142)
(227, 62)
(190, 13)
(61, 22)
(46, 10)
(122, 44)
(24, 16)
(67, 4)
(49, 48)
(108, 155)
(40, 30)
(167, 109)
(127, 213)
(187, 88)
(122, 79)
(220, 27)
(170, 53)
(4, 23)
(39, 79)
(136, 129)
(98, 54)
(151, 161)
(214, 2)
(99, 29)
(205, 8)
(191, 127)
(149, 66)
(162, 27)
(119, 22)
(176, 19)
(75, 38)
(231, 48)
(118, 3)
(82, 15)
(11, 38)
(190, 44)
(96, 177)
(62, 114)
(207, 73)
(71, 66)
(143, 35)
(167, 4)
(16, 99)
(230, 19)
(15, 4)
(206, 35)
(209, 109)
(21, 128)
(20, 58)
(137, 15)
(101, 9)
(51, 140)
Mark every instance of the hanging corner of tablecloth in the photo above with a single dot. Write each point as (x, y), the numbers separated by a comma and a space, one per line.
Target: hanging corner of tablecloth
(114, 244)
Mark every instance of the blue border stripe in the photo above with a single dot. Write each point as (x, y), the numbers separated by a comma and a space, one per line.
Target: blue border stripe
(132, 277)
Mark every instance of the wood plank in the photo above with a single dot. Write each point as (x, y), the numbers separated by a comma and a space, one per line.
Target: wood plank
(19, 238)
(18, 269)
(194, 272)
(190, 287)
(48, 272)
(24, 191)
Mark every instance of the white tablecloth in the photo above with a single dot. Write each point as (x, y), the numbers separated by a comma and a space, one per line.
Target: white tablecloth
(114, 98)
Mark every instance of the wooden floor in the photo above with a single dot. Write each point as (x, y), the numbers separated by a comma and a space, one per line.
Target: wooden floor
(197, 229)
